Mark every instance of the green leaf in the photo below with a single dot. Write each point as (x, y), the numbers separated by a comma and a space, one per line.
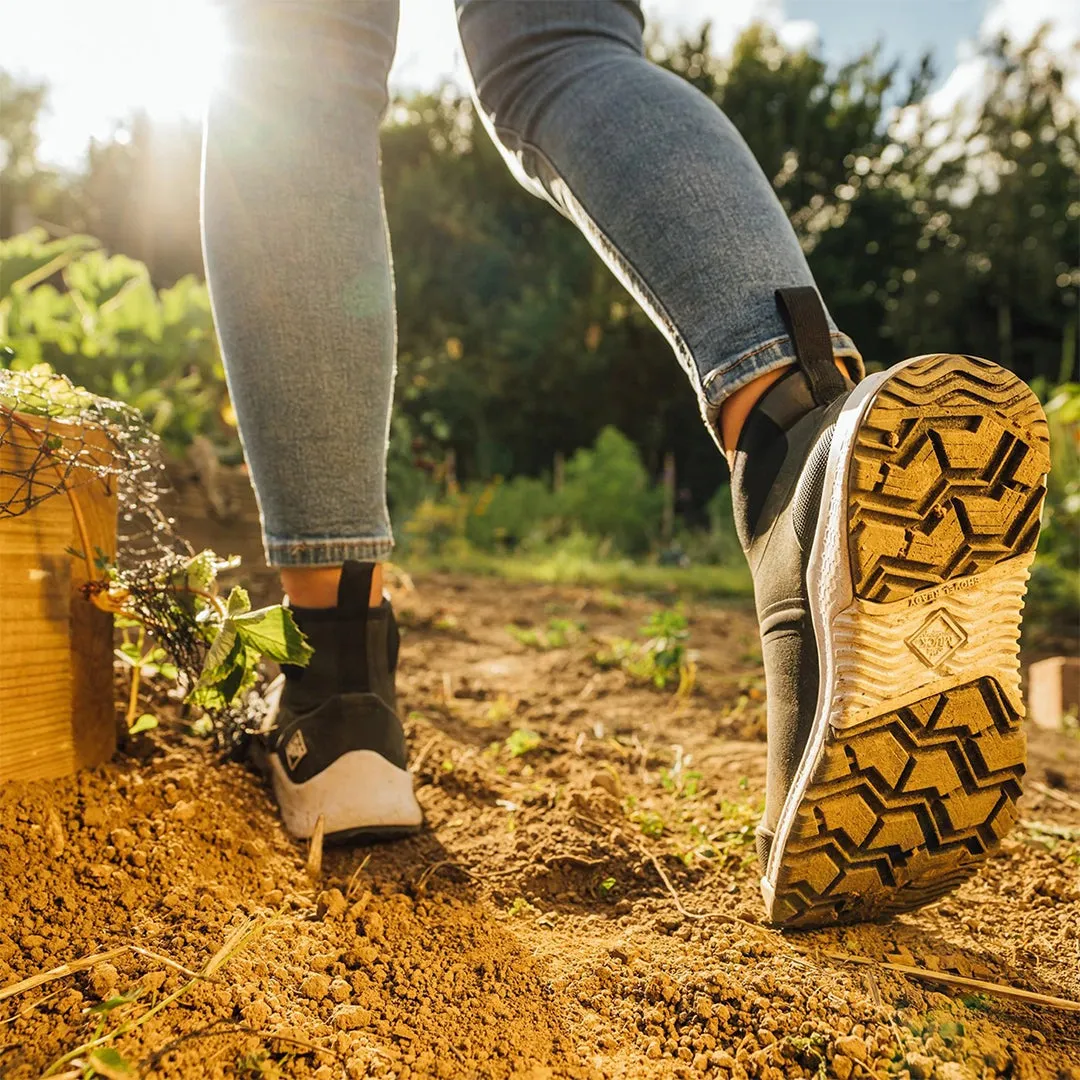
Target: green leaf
(220, 653)
(130, 652)
(202, 727)
(238, 603)
(109, 1063)
(199, 572)
(273, 632)
(219, 693)
(522, 741)
(229, 669)
(30, 257)
(103, 1007)
(146, 722)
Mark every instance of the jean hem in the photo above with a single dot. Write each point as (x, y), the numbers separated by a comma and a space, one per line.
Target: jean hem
(722, 382)
(327, 551)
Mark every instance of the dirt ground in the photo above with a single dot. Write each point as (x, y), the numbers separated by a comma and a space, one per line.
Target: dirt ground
(582, 903)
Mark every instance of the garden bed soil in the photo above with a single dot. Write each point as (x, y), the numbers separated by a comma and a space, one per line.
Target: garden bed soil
(582, 904)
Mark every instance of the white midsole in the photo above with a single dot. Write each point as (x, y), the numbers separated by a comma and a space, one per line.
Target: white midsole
(361, 790)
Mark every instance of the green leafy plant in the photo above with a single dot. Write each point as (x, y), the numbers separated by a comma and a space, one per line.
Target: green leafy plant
(558, 634)
(109, 330)
(650, 823)
(682, 783)
(663, 658)
(521, 741)
(235, 637)
(1053, 604)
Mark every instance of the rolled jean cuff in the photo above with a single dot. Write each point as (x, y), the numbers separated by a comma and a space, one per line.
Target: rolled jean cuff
(722, 382)
(327, 551)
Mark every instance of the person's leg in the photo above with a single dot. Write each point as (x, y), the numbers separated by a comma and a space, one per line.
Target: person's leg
(298, 262)
(656, 177)
(882, 522)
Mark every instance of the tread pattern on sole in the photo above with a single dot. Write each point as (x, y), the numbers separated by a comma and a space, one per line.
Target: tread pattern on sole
(919, 775)
(947, 476)
(903, 809)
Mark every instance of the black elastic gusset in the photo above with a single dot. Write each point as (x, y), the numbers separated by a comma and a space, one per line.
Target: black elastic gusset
(758, 458)
(804, 316)
(807, 500)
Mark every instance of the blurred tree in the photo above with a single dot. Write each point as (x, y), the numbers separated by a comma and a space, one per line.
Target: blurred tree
(998, 205)
(139, 194)
(22, 177)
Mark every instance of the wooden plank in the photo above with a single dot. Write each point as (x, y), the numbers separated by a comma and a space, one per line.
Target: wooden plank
(35, 647)
(56, 699)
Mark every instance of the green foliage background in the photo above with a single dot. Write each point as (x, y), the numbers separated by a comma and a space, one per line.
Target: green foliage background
(519, 351)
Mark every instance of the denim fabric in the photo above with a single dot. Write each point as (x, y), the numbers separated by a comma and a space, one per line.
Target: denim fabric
(298, 262)
(651, 171)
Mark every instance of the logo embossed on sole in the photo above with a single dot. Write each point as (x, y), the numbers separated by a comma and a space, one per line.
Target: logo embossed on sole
(295, 749)
(937, 639)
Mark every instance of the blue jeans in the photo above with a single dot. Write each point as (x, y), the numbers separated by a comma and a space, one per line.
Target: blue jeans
(298, 256)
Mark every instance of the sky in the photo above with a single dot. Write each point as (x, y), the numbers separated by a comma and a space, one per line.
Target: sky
(104, 59)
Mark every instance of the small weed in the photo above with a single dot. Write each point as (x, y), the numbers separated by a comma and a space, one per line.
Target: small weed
(110, 1064)
(146, 722)
(500, 710)
(522, 741)
(681, 783)
(259, 1066)
(520, 906)
(730, 837)
(660, 660)
(811, 1052)
(524, 635)
(604, 889)
(650, 823)
(557, 635)
(1044, 832)
(977, 1002)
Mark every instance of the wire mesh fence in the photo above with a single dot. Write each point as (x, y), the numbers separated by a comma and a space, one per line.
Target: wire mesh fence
(56, 438)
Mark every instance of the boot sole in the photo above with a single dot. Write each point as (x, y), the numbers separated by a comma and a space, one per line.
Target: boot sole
(361, 796)
(929, 520)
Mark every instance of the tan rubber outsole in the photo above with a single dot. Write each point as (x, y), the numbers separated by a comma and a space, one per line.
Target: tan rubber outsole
(920, 769)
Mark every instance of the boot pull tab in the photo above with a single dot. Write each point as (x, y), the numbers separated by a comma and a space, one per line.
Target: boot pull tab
(804, 316)
(354, 592)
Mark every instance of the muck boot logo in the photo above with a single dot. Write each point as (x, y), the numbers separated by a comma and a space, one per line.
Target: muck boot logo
(295, 749)
(937, 639)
